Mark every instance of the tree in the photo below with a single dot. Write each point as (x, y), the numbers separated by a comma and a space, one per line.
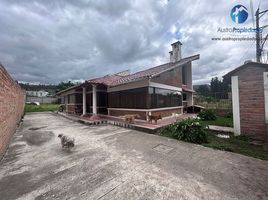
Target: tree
(64, 85)
(203, 90)
(215, 85)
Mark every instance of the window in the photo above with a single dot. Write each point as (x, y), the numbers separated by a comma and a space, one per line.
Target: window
(145, 98)
(79, 98)
(184, 96)
(134, 98)
(161, 98)
(102, 99)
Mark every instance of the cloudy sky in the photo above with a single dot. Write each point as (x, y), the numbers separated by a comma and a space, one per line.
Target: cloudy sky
(48, 41)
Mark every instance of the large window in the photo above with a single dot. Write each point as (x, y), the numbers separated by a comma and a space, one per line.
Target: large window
(134, 98)
(102, 99)
(161, 98)
(145, 98)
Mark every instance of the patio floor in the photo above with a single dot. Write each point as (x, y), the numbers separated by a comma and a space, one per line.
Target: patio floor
(141, 125)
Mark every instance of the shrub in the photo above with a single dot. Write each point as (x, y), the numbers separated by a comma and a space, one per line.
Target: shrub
(189, 130)
(229, 115)
(207, 115)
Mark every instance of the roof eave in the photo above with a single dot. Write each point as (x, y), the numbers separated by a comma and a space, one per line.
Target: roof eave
(191, 58)
(229, 74)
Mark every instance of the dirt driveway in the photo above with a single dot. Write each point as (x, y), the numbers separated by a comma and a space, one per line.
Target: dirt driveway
(115, 163)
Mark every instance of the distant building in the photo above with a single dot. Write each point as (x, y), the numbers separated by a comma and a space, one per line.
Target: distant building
(250, 100)
(40, 93)
(163, 89)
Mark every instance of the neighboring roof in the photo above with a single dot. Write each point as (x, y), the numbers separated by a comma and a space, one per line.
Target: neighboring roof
(149, 73)
(256, 64)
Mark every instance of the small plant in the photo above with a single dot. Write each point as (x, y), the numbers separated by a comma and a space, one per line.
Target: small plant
(229, 115)
(207, 115)
(189, 130)
(242, 138)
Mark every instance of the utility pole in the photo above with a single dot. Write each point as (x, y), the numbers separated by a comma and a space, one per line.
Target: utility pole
(258, 37)
(259, 42)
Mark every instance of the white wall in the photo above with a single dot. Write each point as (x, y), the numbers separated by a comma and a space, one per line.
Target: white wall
(236, 106)
(265, 84)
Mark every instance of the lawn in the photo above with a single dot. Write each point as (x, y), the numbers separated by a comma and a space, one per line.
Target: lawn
(237, 145)
(221, 121)
(233, 144)
(41, 108)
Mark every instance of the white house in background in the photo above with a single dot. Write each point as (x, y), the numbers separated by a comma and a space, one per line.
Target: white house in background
(40, 93)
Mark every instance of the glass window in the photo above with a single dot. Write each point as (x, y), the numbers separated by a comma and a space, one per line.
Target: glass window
(134, 98)
(161, 98)
(146, 97)
(79, 98)
(184, 97)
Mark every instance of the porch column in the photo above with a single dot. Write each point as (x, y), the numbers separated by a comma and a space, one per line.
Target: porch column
(94, 99)
(84, 100)
(236, 106)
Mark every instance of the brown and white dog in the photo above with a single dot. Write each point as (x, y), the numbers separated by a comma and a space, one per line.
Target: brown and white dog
(130, 118)
(154, 118)
(66, 142)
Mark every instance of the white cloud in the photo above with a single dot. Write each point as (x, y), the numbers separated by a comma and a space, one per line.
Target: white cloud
(51, 41)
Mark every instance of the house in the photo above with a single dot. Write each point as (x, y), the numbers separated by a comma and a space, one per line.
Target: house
(40, 93)
(162, 89)
(250, 99)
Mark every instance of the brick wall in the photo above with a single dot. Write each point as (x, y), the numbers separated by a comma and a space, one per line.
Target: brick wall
(12, 100)
(172, 77)
(251, 98)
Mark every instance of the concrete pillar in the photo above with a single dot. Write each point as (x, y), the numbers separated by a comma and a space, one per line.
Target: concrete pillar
(84, 100)
(94, 99)
(236, 105)
(189, 99)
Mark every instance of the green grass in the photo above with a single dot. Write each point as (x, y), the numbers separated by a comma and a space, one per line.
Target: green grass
(237, 145)
(221, 121)
(41, 108)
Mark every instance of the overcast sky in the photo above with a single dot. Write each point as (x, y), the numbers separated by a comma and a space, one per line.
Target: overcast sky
(48, 41)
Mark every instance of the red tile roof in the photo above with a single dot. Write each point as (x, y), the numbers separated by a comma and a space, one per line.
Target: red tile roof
(153, 71)
(122, 78)
(106, 80)
(113, 80)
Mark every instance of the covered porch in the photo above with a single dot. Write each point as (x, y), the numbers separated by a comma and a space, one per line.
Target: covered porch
(85, 99)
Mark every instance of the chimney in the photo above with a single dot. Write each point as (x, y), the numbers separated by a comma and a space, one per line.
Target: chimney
(176, 49)
(171, 56)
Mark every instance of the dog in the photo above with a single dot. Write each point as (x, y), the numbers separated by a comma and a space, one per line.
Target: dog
(130, 118)
(66, 142)
(154, 118)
